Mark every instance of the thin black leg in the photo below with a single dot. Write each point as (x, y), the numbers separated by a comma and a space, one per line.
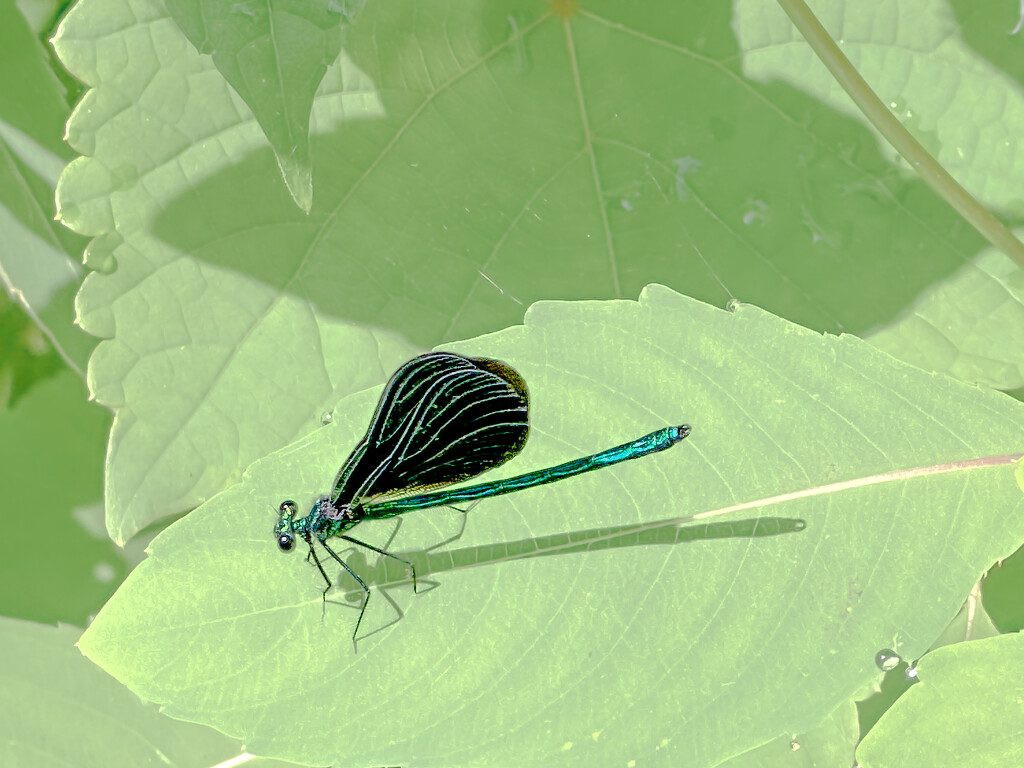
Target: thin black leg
(394, 532)
(366, 589)
(323, 573)
(379, 551)
(408, 564)
(312, 553)
(462, 529)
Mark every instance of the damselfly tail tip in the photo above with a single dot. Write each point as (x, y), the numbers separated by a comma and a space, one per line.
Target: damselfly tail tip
(678, 433)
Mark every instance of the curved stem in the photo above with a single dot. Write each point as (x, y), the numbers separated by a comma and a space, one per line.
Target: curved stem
(897, 135)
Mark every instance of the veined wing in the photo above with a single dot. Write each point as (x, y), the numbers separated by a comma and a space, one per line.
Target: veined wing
(442, 418)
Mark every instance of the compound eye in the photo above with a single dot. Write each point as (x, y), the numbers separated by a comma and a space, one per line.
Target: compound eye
(286, 507)
(286, 541)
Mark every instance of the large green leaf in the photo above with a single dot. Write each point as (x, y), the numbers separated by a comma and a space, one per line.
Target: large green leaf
(469, 160)
(57, 709)
(668, 655)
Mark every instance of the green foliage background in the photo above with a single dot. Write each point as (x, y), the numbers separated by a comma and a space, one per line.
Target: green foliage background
(277, 203)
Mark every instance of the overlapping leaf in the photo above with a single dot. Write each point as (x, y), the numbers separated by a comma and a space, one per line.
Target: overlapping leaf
(965, 711)
(274, 54)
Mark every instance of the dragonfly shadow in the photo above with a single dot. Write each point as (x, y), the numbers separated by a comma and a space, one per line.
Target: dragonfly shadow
(386, 574)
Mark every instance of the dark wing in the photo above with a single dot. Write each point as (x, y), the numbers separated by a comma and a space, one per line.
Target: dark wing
(442, 418)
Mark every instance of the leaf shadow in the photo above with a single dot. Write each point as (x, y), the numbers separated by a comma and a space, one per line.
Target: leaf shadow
(836, 219)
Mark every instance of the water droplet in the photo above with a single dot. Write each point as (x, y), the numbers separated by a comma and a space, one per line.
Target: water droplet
(757, 212)
(887, 659)
(684, 165)
(103, 572)
(326, 418)
(910, 673)
(732, 305)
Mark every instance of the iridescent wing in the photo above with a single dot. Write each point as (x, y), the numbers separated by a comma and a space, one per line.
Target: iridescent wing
(442, 419)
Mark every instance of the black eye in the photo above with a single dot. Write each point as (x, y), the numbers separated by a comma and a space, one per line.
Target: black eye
(287, 506)
(285, 541)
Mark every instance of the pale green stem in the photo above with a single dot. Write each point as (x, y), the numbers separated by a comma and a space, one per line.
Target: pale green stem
(897, 135)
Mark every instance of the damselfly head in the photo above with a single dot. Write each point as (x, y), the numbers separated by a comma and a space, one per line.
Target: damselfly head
(284, 527)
